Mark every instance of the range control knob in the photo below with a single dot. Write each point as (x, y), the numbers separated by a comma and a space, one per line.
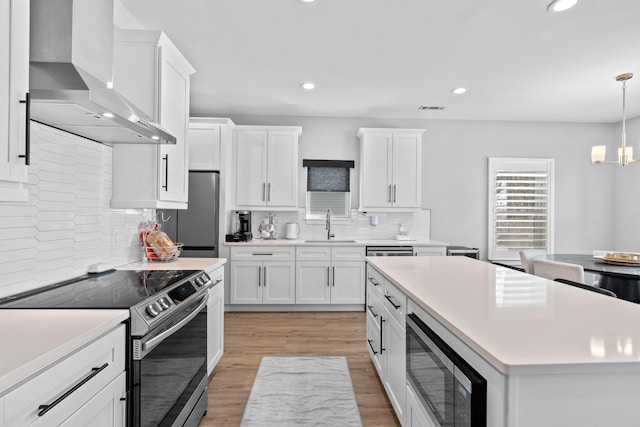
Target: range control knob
(164, 303)
(153, 310)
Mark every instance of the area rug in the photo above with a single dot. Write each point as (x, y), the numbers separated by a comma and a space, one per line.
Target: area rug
(302, 391)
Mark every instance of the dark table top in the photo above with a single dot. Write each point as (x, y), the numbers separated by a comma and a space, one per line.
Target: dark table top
(593, 265)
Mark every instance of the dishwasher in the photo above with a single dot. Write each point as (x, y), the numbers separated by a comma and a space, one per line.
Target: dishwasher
(389, 250)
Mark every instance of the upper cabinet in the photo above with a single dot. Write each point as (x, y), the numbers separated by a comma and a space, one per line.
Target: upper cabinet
(390, 169)
(267, 166)
(208, 142)
(152, 176)
(14, 103)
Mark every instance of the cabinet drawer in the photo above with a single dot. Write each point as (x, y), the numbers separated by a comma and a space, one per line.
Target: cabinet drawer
(263, 253)
(217, 275)
(313, 253)
(374, 345)
(348, 253)
(98, 363)
(376, 280)
(395, 301)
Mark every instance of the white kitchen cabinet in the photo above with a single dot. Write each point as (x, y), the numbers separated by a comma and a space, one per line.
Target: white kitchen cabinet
(416, 415)
(206, 139)
(84, 377)
(108, 408)
(395, 382)
(429, 251)
(215, 319)
(14, 88)
(266, 161)
(330, 277)
(152, 176)
(390, 169)
(262, 275)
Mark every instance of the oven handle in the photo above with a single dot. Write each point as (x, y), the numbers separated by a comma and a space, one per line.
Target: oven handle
(432, 346)
(148, 345)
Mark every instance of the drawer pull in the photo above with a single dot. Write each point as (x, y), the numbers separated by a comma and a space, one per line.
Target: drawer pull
(372, 312)
(43, 409)
(371, 345)
(374, 281)
(393, 301)
(261, 253)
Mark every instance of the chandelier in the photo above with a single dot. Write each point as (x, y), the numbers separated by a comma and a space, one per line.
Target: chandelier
(625, 154)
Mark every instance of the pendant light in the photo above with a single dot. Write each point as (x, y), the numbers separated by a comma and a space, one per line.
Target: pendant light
(625, 154)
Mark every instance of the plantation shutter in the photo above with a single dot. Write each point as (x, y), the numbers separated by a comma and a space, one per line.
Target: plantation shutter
(520, 206)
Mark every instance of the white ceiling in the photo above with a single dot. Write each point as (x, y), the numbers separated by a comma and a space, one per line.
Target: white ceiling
(385, 58)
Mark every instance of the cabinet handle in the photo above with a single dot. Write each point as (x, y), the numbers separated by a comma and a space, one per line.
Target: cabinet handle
(262, 253)
(394, 193)
(374, 281)
(389, 194)
(371, 345)
(259, 276)
(264, 276)
(27, 131)
(333, 277)
(381, 328)
(43, 409)
(373, 313)
(392, 300)
(166, 172)
(268, 192)
(264, 192)
(328, 276)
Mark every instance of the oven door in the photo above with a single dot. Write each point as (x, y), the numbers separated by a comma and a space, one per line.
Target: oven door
(169, 370)
(430, 373)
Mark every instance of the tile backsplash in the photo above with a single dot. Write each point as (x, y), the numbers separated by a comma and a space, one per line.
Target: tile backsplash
(67, 224)
(358, 227)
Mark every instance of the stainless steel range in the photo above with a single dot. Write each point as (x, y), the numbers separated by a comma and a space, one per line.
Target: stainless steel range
(167, 376)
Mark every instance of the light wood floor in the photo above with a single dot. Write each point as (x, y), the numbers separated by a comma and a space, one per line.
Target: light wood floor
(249, 336)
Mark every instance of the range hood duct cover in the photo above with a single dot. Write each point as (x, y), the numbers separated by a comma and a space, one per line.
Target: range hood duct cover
(71, 74)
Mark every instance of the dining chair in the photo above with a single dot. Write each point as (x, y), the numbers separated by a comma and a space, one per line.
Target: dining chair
(587, 287)
(558, 270)
(527, 256)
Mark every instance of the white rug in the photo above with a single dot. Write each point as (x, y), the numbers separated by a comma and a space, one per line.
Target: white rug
(302, 391)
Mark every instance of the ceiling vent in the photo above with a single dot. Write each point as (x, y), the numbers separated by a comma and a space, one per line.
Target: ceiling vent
(430, 107)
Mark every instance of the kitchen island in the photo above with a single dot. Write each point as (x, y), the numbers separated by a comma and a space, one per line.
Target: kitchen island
(552, 355)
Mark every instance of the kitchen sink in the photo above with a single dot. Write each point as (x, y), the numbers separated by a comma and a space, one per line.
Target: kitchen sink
(330, 241)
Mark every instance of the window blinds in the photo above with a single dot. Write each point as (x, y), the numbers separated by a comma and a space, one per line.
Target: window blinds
(520, 205)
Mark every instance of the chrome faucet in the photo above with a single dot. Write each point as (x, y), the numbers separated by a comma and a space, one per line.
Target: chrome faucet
(328, 225)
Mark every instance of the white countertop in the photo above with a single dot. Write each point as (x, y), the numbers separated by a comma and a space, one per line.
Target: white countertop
(207, 264)
(356, 242)
(34, 339)
(518, 322)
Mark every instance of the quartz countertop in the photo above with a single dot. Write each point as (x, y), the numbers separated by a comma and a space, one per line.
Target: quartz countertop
(207, 264)
(337, 241)
(518, 322)
(32, 340)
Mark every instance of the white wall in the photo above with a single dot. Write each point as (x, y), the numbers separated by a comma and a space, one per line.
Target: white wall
(454, 180)
(626, 213)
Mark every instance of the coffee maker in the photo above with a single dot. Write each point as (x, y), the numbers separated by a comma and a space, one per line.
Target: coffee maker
(242, 225)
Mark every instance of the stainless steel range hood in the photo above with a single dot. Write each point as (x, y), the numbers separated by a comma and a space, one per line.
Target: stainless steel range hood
(71, 75)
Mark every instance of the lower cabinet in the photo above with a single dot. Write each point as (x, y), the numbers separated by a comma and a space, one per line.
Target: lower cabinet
(86, 387)
(415, 415)
(262, 282)
(108, 408)
(215, 319)
(386, 339)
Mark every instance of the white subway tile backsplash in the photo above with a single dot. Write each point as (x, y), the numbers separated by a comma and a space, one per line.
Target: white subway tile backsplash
(67, 224)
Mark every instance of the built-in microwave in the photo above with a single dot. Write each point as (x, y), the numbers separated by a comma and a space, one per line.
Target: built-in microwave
(452, 392)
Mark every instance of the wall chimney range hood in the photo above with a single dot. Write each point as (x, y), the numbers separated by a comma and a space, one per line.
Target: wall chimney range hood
(71, 75)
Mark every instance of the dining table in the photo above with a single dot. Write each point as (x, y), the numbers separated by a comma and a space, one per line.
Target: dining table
(623, 280)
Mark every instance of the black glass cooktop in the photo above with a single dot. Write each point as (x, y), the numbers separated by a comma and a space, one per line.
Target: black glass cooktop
(119, 289)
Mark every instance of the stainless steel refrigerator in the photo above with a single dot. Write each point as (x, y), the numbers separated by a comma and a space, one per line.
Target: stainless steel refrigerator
(196, 227)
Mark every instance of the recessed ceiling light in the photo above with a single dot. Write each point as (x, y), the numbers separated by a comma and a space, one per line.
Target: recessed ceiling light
(459, 90)
(561, 5)
(107, 115)
(308, 86)
(306, 1)
(155, 137)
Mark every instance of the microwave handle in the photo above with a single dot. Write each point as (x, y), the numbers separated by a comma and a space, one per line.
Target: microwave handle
(432, 346)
